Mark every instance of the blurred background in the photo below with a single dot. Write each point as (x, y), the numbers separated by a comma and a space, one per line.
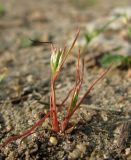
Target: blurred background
(47, 16)
(57, 20)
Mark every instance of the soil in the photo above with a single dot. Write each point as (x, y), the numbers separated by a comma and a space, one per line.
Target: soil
(102, 123)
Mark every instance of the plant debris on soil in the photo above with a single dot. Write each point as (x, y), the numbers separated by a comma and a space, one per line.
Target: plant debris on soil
(103, 122)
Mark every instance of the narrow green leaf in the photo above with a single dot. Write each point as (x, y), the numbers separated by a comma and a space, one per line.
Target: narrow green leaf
(2, 9)
(89, 36)
(129, 31)
(108, 59)
(3, 73)
(74, 101)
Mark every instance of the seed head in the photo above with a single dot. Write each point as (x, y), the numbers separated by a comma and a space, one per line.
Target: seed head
(56, 59)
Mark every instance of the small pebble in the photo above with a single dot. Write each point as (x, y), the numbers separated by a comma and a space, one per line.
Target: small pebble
(53, 140)
(104, 116)
(127, 151)
(106, 156)
(30, 122)
(74, 155)
(30, 79)
(81, 147)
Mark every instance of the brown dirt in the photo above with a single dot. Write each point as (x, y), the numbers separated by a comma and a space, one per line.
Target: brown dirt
(103, 123)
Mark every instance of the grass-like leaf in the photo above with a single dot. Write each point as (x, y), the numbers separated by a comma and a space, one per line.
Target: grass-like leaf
(2, 9)
(117, 60)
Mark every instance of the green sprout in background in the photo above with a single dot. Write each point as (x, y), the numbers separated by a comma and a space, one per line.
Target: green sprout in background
(2, 9)
(117, 60)
(109, 58)
(127, 21)
(83, 4)
(3, 74)
(89, 36)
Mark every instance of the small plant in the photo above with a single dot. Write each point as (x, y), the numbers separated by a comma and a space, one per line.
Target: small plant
(89, 36)
(108, 58)
(3, 73)
(117, 60)
(83, 3)
(58, 59)
(127, 22)
(2, 9)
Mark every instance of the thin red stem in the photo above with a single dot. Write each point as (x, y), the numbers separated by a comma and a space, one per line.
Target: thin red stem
(76, 89)
(91, 87)
(26, 133)
(79, 80)
(55, 124)
(65, 122)
(65, 99)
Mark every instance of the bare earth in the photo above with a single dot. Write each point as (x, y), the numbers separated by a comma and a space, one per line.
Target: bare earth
(103, 123)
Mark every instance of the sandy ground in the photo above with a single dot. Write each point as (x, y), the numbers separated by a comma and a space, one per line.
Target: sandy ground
(102, 123)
